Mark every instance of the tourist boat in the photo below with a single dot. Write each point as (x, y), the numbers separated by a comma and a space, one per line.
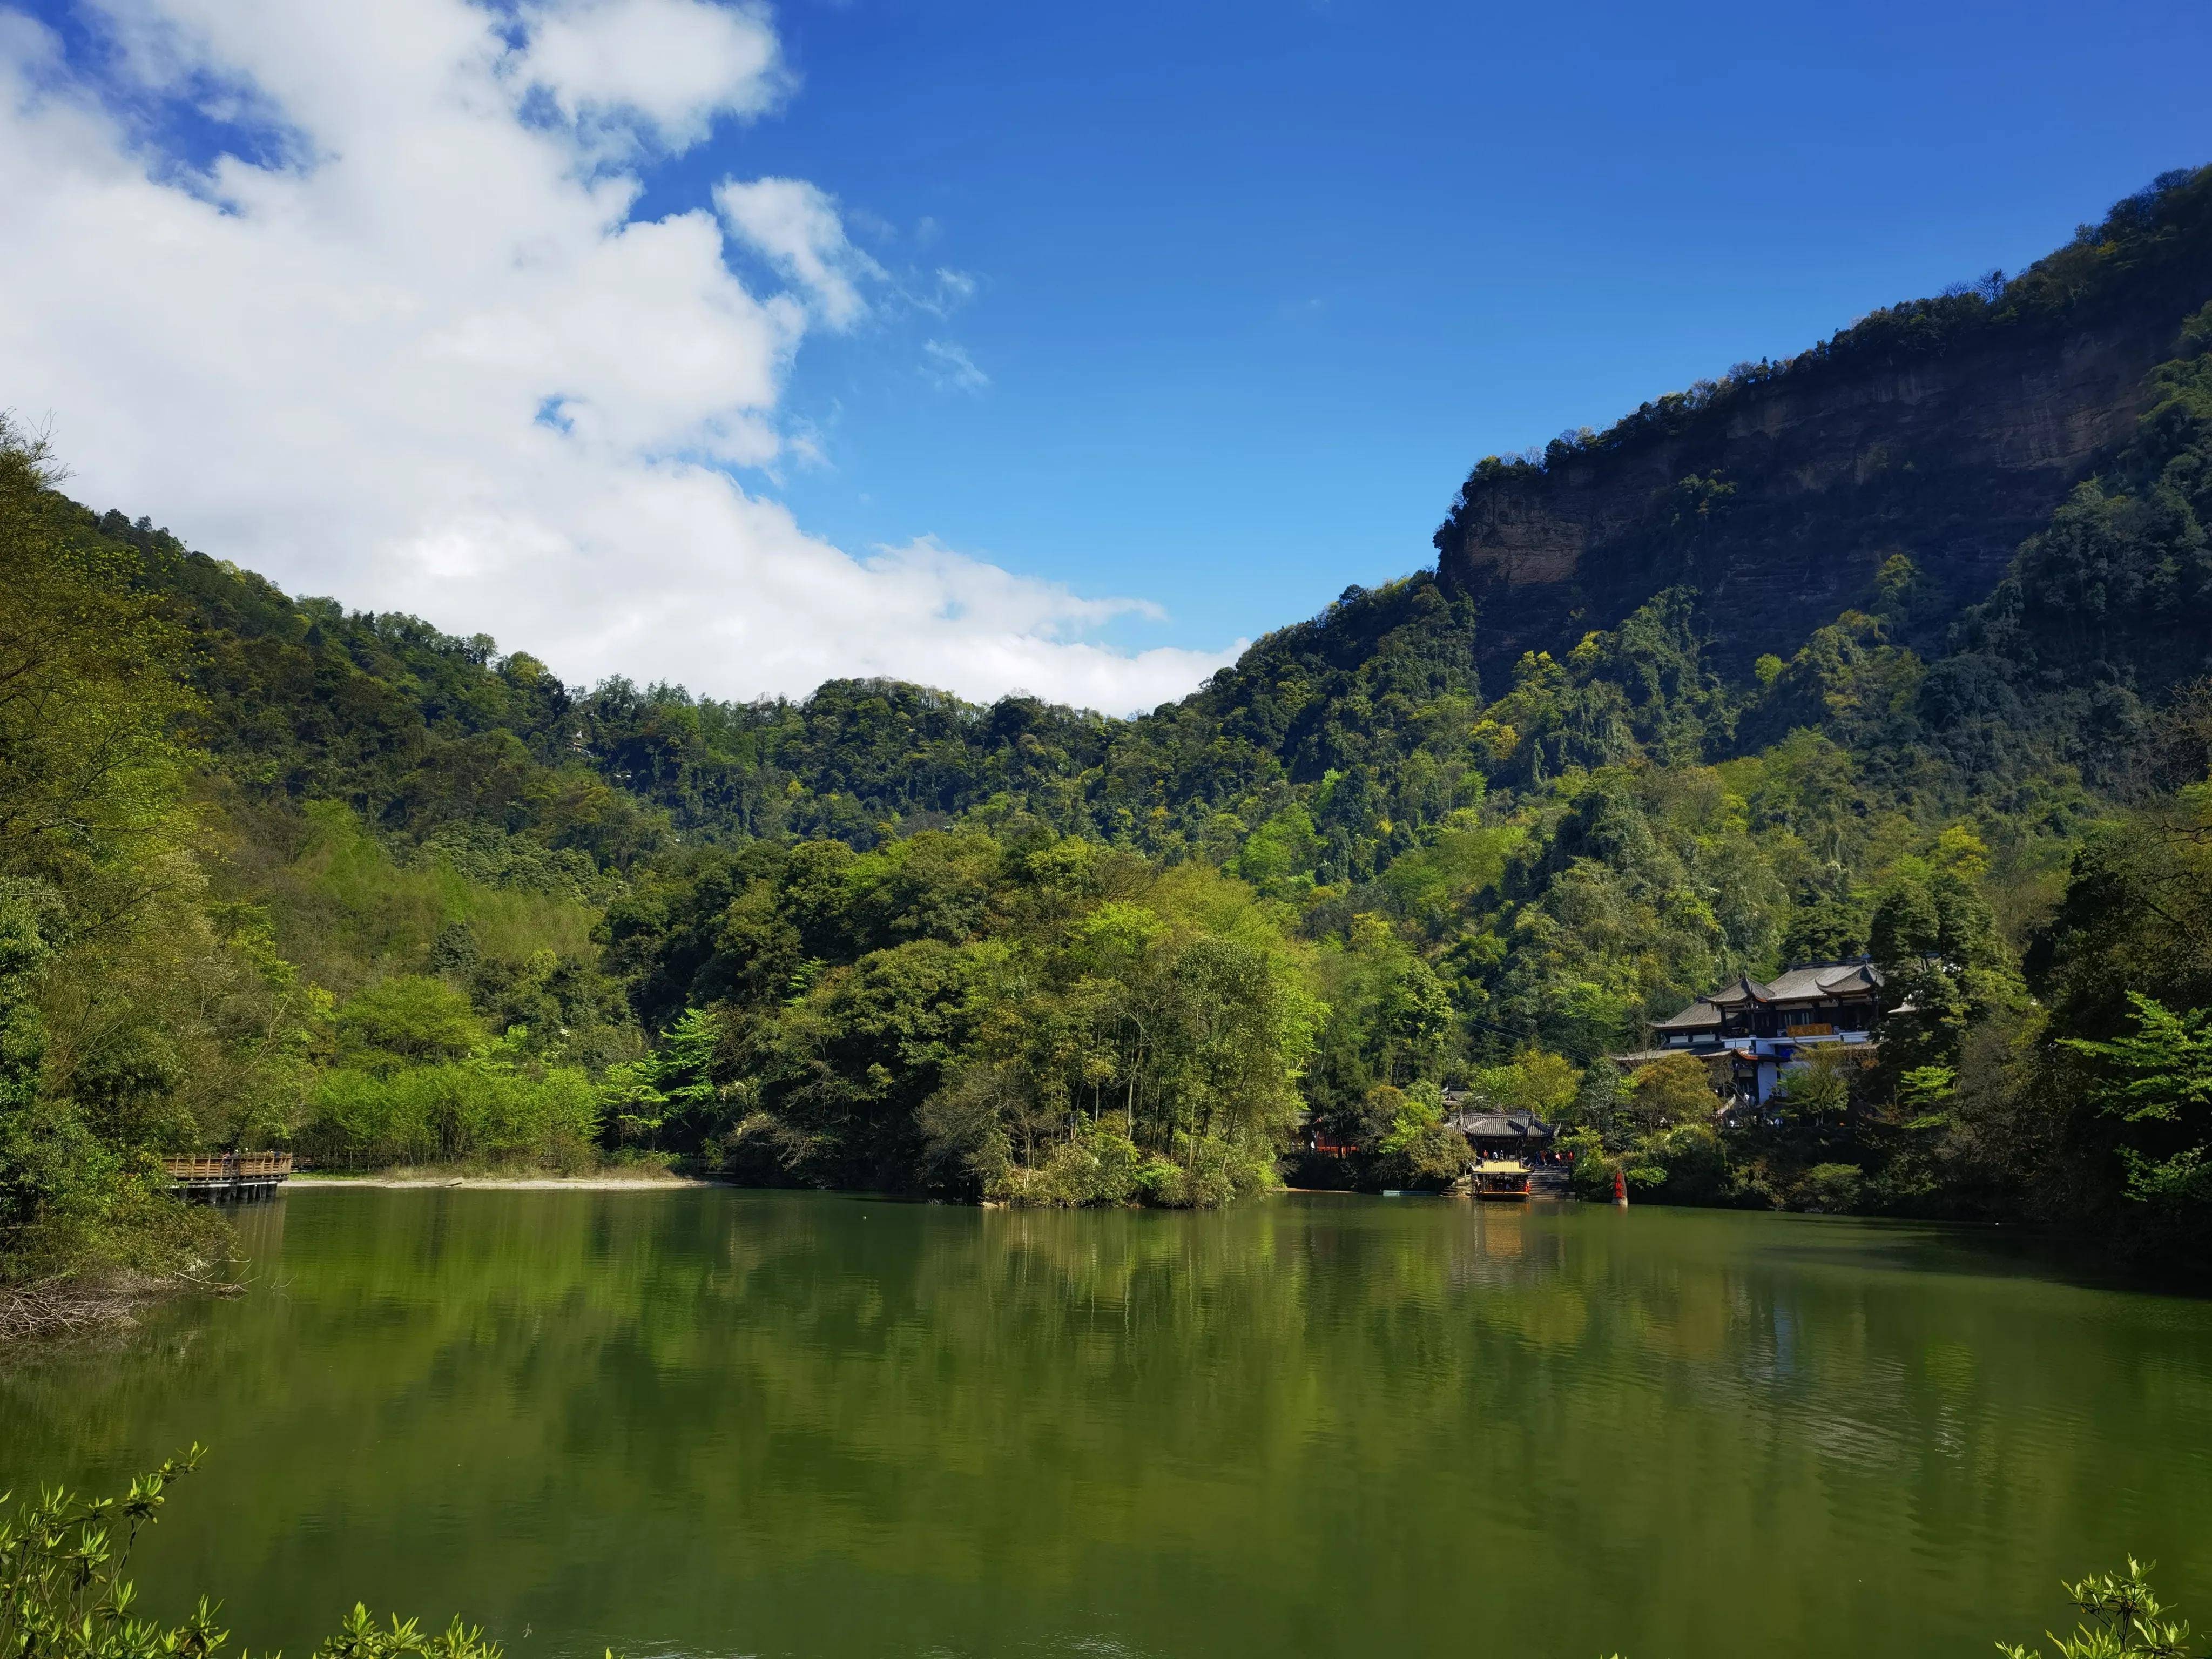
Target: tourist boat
(1500, 1180)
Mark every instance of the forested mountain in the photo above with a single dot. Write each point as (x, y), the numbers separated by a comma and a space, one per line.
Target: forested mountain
(1945, 430)
(1898, 647)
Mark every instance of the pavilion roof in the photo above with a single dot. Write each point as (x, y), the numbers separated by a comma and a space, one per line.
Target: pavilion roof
(1809, 983)
(1644, 1056)
(1503, 1126)
(1824, 979)
(1745, 990)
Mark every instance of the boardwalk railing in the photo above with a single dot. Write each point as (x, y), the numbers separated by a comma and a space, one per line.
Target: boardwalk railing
(229, 1175)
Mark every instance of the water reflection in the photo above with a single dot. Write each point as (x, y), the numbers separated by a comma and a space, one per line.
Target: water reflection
(721, 1422)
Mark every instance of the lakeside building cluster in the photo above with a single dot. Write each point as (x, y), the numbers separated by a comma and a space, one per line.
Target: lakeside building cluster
(1750, 1033)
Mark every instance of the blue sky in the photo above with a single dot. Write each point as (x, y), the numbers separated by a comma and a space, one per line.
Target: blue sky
(744, 347)
(1258, 281)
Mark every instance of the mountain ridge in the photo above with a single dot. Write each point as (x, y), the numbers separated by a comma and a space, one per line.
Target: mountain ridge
(1945, 430)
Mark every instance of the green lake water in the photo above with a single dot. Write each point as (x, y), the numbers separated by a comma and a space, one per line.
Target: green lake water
(717, 1423)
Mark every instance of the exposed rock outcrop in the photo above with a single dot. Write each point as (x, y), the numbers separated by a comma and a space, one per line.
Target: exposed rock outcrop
(1946, 431)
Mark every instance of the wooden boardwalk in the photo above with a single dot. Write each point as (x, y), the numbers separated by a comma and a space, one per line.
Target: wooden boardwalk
(244, 1177)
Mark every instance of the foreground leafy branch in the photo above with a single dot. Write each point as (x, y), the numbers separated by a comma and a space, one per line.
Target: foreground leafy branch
(2121, 1620)
(62, 1587)
(63, 1595)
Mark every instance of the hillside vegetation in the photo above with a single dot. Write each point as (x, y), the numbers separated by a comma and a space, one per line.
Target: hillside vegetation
(276, 872)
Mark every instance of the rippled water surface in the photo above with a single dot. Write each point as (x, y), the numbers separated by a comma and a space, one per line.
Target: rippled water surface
(719, 1422)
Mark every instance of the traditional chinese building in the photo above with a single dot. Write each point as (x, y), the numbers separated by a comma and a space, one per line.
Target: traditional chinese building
(1751, 1033)
(1520, 1135)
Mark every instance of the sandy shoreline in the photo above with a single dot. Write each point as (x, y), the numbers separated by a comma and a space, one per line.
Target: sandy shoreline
(600, 1184)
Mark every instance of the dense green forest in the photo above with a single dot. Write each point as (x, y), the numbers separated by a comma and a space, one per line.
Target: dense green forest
(274, 872)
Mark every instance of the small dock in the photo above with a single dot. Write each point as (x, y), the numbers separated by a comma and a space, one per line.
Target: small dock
(229, 1178)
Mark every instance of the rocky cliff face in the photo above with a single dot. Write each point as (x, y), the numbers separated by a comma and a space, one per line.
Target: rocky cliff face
(1948, 432)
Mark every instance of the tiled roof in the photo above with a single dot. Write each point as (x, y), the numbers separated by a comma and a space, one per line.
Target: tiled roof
(1519, 1125)
(1853, 976)
(1824, 979)
(1797, 982)
(1806, 984)
(1745, 989)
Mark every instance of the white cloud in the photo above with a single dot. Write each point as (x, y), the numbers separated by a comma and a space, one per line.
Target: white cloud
(662, 70)
(954, 290)
(429, 362)
(950, 367)
(795, 228)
